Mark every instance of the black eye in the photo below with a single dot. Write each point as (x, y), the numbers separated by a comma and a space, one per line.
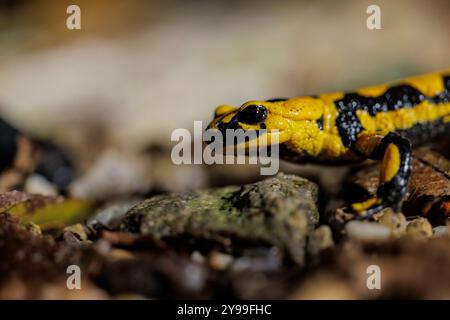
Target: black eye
(252, 114)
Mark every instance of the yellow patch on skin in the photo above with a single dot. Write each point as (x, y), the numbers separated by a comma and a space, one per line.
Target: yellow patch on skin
(305, 108)
(329, 118)
(363, 206)
(390, 164)
(228, 118)
(222, 109)
(385, 122)
(373, 91)
(369, 124)
(248, 126)
(329, 98)
(306, 138)
(428, 84)
(332, 147)
(277, 122)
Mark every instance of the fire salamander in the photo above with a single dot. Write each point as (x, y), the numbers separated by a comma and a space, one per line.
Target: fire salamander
(377, 122)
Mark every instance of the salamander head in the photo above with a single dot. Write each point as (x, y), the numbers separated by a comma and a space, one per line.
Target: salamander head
(280, 118)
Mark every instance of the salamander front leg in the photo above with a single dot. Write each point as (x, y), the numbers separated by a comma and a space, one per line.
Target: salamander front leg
(395, 153)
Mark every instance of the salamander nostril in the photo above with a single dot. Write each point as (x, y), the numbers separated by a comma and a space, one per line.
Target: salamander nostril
(252, 114)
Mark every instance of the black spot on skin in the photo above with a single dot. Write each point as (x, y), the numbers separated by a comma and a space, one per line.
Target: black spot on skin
(347, 122)
(444, 96)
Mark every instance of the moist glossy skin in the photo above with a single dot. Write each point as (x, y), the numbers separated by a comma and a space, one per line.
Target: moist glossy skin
(377, 122)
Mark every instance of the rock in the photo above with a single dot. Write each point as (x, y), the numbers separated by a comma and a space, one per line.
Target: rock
(320, 239)
(441, 231)
(130, 296)
(219, 260)
(324, 286)
(259, 260)
(278, 211)
(367, 231)
(111, 214)
(419, 228)
(58, 291)
(396, 222)
(409, 269)
(33, 229)
(78, 230)
(167, 176)
(114, 174)
(37, 184)
(198, 257)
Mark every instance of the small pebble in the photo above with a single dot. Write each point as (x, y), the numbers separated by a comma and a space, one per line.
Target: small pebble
(37, 184)
(34, 228)
(121, 254)
(113, 174)
(78, 230)
(367, 231)
(112, 213)
(320, 239)
(396, 222)
(441, 231)
(220, 261)
(198, 257)
(419, 228)
(129, 296)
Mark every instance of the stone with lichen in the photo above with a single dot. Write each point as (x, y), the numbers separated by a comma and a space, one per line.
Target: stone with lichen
(279, 211)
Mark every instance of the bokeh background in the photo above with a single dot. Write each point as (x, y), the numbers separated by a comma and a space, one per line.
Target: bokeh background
(107, 97)
(139, 69)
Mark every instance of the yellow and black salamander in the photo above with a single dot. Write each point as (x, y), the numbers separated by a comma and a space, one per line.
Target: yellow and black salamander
(377, 122)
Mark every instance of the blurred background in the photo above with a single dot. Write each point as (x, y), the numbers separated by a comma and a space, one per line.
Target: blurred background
(100, 105)
(139, 69)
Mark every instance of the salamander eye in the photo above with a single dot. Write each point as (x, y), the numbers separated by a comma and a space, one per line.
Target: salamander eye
(253, 114)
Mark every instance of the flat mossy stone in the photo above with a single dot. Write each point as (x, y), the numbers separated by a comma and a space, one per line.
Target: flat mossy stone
(279, 211)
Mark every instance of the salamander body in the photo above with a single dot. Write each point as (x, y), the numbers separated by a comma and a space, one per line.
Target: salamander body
(379, 122)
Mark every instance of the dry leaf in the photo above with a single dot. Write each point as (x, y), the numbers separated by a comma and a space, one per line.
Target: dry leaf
(45, 211)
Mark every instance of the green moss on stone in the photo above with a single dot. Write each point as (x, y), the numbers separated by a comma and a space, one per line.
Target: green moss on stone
(280, 211)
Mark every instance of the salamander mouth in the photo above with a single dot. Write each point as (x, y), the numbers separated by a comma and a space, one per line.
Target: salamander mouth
(235, 139)
(252, 138)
